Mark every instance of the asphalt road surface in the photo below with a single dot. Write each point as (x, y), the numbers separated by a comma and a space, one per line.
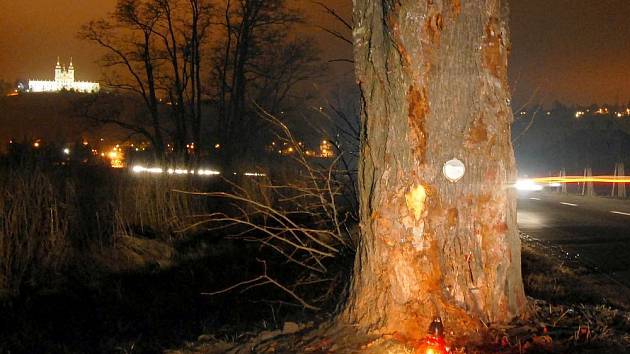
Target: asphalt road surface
(594, 231)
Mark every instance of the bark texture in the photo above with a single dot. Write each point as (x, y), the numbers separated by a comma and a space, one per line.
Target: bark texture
(433, 77)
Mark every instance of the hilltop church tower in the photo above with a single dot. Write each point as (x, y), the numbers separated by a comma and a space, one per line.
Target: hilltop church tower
(58, 71)
(70, 71)
(64, 80)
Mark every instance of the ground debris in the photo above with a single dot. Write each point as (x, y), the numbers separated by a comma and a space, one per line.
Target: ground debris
(293, 338)
(563, 329)
(549, 329)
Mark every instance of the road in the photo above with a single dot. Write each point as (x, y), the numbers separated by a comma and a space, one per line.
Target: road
(593, 231)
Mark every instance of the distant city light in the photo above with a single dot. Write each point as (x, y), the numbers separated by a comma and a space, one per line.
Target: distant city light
(326, 149)
(66, 151)
(116, 157)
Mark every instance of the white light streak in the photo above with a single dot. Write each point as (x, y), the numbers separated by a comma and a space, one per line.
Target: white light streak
(620, 213)
(569, 204)
(208, 172)
(138, 169)
(176, 171)
(527, 185)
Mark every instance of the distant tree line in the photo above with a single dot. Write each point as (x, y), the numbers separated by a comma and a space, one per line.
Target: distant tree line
(573, 138)
(5, 87)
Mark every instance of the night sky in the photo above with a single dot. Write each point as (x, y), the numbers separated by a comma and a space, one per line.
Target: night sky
(574, 51)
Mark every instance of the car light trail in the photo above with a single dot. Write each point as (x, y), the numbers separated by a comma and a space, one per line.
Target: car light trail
(582, 179)
(569, 204)
(620, 213)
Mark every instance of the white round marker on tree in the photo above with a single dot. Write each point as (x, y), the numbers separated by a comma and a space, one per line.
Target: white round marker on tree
(453, 170)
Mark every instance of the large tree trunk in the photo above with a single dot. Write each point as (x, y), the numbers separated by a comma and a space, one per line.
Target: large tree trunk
(433, 77)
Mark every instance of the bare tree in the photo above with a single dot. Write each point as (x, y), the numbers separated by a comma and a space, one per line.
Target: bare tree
(252, 30)
(433, 77)
(343, 35)
(153, 48)
(280, 70)
(128, 37)
(199, 25)
(182, 30)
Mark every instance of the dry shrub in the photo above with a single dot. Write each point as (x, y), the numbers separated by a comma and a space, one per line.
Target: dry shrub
(298, 216)
(34, 223)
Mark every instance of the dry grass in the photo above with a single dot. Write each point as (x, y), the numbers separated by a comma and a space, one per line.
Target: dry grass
(34, 223)
(148, 206)
(49, 215)
(549, 277)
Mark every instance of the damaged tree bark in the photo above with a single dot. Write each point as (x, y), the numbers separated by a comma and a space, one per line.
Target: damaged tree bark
(433, 77)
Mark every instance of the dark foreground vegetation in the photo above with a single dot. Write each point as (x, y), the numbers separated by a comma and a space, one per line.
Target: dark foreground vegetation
(100, 260)
(96, 260)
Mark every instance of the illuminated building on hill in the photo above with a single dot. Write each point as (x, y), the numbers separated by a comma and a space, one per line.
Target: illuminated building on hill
(64, 80)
